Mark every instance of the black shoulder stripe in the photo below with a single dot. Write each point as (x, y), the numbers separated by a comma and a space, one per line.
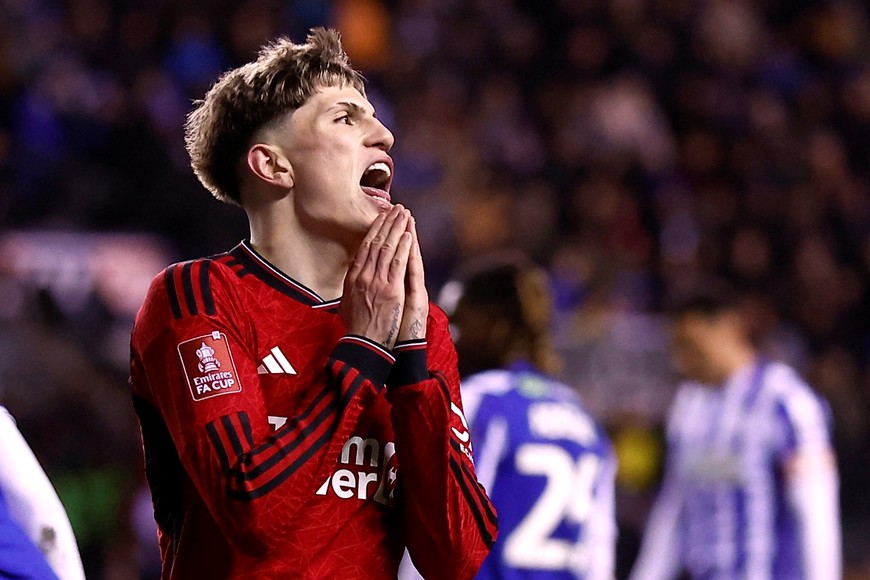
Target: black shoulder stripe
(236, 266)
(169, 278)
(205, 288)
(187, 284)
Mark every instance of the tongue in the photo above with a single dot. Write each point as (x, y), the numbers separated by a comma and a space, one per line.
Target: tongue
(375, 192)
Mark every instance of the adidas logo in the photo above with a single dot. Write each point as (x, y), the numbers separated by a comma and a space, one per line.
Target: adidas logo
(276, 364)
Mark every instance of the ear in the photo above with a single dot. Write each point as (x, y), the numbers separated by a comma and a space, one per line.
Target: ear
(270, 165)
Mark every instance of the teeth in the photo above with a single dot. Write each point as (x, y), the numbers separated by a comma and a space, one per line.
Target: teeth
(380, 166)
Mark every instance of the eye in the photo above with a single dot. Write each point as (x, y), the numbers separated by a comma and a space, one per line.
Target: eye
(346, 119)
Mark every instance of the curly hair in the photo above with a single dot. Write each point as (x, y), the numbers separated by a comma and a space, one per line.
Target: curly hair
(220, 127)
(509, 287)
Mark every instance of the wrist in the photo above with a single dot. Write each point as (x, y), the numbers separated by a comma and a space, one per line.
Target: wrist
(411, 363)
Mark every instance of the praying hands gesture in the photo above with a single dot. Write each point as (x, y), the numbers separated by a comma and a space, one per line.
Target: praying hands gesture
(385, 297)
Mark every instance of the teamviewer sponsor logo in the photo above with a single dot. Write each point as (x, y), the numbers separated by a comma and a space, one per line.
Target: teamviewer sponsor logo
(367, 474)
(208, 366)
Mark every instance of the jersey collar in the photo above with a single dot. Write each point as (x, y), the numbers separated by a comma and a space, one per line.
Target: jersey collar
(268, 273)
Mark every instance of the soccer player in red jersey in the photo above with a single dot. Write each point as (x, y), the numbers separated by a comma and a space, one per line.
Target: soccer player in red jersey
(298, 395)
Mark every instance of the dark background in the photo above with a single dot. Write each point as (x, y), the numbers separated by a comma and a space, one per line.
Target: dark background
(633, 147)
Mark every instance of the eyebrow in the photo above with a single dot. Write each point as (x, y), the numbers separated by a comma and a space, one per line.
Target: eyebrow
(358, 109)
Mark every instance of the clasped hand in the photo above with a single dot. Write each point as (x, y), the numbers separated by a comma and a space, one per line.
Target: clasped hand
(385, 297)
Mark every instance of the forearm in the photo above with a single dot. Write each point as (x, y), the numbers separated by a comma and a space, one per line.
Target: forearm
(602, 529)
(659, 553)
(450, 522)
(812, 490)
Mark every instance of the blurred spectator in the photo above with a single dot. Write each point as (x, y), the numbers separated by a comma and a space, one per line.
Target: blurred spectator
(634, 147)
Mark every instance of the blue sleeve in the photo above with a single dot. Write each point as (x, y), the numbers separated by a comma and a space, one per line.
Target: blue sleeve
(19, 558)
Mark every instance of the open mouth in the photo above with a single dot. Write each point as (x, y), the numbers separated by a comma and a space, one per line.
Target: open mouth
(376, 180)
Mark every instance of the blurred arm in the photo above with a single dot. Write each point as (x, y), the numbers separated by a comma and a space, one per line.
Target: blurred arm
(812, 491)
(809, 469)
(659, 552)
(34, 504)
(602, 531)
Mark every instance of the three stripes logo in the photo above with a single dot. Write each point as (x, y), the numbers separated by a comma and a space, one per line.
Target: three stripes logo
(276, 364)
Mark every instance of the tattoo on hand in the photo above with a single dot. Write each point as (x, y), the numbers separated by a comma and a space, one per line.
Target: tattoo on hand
(394, 326)
(416, 329)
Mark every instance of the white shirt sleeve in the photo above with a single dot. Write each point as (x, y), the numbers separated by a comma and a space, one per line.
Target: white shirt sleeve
(659, 557)
(659, 552)
(34, 504)
(811, 479)
(812, 489)
(602, 531)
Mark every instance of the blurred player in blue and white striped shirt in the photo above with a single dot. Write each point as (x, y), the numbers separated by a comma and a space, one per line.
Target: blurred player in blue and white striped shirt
(750, 487)
(547, 465)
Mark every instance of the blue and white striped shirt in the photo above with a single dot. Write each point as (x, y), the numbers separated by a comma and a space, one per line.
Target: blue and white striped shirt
(750, 489)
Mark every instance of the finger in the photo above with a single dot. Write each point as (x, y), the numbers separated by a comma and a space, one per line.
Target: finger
(415, 261)
(391, 243)
(399, 261)
(363, 251)
(377, 242)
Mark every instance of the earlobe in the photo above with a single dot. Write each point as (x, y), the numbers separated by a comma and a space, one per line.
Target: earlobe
(270, 165)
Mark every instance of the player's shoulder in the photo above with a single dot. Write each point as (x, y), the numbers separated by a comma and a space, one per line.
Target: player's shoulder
(493, 382)
(784, 384)
(524, 385)
(185, 289)
(793, 397)
(783, 378)
(6, 416)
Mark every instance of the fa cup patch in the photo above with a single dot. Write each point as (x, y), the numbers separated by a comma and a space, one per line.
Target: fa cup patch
(208, 365)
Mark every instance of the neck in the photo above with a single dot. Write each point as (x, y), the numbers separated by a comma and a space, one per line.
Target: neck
(317, 262)
(734, 358)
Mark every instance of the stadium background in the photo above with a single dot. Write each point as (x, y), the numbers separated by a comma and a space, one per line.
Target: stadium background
(634, 147)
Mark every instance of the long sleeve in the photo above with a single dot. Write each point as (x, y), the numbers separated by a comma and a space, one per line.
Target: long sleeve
(197, 391)
(811, 483)
(33, 502)
(812, 490)
(602, 530)
(449, 521)
(658, 557)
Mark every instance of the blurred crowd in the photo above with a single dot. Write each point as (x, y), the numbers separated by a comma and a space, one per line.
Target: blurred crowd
(633, 147)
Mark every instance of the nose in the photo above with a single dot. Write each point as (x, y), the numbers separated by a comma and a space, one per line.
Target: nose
(380, 136)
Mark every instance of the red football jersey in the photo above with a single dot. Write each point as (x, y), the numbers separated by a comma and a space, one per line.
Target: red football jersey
(278, 447)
